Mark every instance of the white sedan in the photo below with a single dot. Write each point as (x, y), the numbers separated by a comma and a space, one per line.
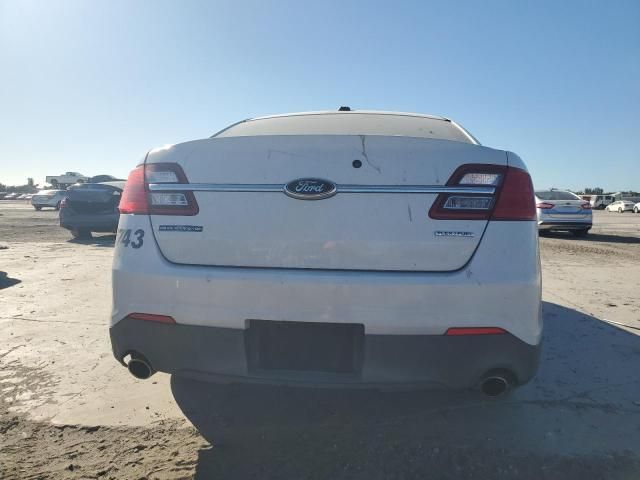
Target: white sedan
(620, 206)
(48, 198)
(338, 248)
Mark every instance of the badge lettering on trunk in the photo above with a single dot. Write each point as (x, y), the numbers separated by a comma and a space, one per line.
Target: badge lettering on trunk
(440, 233)
(310, 189)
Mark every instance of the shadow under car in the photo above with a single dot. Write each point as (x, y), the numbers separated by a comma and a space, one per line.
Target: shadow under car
(578, 418)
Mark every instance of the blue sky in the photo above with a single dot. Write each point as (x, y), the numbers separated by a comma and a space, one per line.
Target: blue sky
(91, 86)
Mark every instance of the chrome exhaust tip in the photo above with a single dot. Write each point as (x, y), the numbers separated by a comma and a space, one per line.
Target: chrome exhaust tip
(140, 368)
(494, 386)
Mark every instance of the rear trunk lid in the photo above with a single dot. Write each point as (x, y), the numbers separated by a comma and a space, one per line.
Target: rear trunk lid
(378, 220)
(93, 198)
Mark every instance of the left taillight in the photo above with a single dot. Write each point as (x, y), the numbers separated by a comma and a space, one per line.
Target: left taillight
(154, 189)
(63, 203)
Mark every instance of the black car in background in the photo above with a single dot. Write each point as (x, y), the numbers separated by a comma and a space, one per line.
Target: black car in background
(91, 207)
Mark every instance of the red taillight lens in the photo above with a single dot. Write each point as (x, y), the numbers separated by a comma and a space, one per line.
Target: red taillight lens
(150, 317)
(586, 206)
(63, 203)
(513, 198)
(516, 199)
(134, 197)
(544, 205)
(138, 198)
(475, 331)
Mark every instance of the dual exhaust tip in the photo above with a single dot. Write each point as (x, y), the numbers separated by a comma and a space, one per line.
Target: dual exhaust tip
(492, 385)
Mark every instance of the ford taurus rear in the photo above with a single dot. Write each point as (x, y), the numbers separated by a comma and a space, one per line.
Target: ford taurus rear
(333, 248)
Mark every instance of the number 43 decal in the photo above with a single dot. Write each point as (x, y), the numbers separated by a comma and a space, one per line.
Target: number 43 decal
(127, 240)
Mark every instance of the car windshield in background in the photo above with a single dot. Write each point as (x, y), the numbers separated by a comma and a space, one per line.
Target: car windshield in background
(556, 195)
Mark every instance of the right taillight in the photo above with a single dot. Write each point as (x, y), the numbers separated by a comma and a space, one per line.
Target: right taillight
(516, 199)
(508, 195)
(586, 206)
(155, 189)
(544, 205)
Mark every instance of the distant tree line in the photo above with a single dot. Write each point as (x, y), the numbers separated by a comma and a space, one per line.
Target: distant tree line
(28, 188)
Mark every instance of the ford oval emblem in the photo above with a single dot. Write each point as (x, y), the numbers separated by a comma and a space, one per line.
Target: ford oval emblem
(310, 189)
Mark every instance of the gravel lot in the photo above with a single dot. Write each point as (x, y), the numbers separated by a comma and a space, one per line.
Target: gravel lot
(69, 410)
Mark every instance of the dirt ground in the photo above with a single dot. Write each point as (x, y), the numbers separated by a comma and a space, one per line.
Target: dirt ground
(69, 410)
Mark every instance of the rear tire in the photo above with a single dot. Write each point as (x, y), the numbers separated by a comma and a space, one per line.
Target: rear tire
(580, 233)
(81, 233)
(543, 233)
(38, 208)
(620, 210)
(635, 210)
(58, 206)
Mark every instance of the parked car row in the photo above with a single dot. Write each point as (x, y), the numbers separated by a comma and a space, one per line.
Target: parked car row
(16, 196)
(622, 206)
(84, 207)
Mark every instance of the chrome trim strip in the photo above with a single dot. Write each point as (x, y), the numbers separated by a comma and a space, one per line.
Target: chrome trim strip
(242, 187)
(413, 189)
(214, 187)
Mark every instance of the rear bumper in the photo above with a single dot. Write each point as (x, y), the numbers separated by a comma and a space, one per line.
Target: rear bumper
(564, 225)
(95, 222)
(222, 355)
(403, 315)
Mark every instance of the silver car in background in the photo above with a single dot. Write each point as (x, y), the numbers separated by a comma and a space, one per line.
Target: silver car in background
(560, 210)
(48, 198)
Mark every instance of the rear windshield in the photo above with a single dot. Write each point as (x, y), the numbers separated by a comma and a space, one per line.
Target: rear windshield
(350, 124)
(556, 195)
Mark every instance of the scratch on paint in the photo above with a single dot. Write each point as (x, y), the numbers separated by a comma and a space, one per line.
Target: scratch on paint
(366, 157)
(409, 212)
